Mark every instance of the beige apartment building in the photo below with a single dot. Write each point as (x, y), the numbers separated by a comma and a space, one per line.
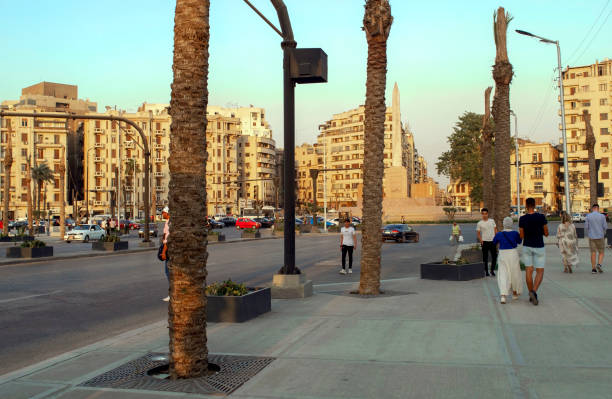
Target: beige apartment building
(588, 88)
(539, 174)
(459, 194)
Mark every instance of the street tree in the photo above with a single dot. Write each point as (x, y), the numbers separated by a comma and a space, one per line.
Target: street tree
(590, 145)
(502, 74)
(8, 164)
(62, 194)
(377, 22)
(41, 174)
(487, 154)
(463, 161)
(187, 190)
(29, 195)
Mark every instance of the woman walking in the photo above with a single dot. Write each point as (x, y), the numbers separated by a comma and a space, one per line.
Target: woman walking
(567, 241)
(509, 275)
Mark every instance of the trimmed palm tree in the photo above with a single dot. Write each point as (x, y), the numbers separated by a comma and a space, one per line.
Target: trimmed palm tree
(590, 145)
(8, 164)
(41, 174)
(29, 195)
(377, 22)
(487, 155)
(187, 191)
(502, 74)
(62, 178)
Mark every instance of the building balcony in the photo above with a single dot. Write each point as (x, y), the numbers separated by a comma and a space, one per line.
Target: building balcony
(99, 188)
(129, 188)
(128, 144)
(159, 146)
(99, 159)
(161, 133)
(99, 203)
(99, 145)
(98, 130)
(160, 188)
(160, 160)
(158, 174)
(537, 177)
(99, 174)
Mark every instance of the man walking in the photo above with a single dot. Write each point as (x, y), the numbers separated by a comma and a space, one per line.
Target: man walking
(347, 244)
(485, 231)
(533, 228)
(112, 225)
(166, 216)
(595, 226)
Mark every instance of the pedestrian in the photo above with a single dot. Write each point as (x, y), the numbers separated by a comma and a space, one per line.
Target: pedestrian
(533, 228)
(596, 226)
(509, 275)
(567, 241)
(348, 242)
(112, 224)
(455, 233)
(166, 217)
(485, 231)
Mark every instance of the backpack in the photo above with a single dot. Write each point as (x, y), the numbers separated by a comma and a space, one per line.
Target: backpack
(160, 251)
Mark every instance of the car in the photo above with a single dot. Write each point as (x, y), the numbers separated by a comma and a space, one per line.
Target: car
(333, 222)
(265, 222)
(85, 233)
(123, 223)
(214, 224)
(228, 221)
(399, 233)
(135, 225)
(70, 223)
(153, 230)
(578, 217)
(247, 223)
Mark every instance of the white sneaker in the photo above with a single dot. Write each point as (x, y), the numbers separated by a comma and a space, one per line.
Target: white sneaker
(342, 271)
(503, 299)
(166, 299)
(350, 271)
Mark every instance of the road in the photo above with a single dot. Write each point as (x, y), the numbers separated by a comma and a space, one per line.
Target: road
(49, 308)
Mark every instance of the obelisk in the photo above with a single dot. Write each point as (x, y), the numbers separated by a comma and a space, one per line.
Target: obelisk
(396, 128)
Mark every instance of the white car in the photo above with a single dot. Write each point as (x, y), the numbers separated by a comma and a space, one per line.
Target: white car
(578, 218)
(85, 233)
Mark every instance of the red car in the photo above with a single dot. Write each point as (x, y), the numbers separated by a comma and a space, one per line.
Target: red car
(246, 223)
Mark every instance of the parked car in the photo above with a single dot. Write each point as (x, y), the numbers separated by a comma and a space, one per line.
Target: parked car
(578, 217)
(135, 225)
(265, 222)
(153, 230)
(85, 233)
(228, 221)
(247, 223)
(298, 221)
(70, 223)
(399, 233)
(214, 224)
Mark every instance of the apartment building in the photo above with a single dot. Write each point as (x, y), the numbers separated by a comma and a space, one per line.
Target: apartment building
(539, 175)
(588, 88)
(459, 194)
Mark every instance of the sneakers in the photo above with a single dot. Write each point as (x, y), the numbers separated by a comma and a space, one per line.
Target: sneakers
(503, 299)
(533, 298)
(593, 271)
(342, 271)
(166, 299)
(350, 271)
(599, 269)
(487, 273)
(515, 297)
(492, 273)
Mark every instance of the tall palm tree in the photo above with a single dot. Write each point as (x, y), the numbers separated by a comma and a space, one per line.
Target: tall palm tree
(41, 174)
(590, 145)
(377, 22)
(29, 195)
(502, 74)
(187, 242)
(8, 164)
(62, 178)
(487, 155)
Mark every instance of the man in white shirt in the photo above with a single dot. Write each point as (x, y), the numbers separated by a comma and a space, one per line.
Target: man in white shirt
(486, 230)
(348, 241)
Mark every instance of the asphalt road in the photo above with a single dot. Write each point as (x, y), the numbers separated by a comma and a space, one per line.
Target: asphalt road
(49, 308)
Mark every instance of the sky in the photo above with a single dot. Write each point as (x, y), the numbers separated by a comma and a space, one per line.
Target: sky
(439, 52)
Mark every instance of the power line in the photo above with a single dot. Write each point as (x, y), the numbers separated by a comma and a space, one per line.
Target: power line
(577, 49)
(542, 108)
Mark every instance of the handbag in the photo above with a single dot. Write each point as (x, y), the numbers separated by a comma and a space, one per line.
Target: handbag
(450, 238)
(160, 252)
(460, 238)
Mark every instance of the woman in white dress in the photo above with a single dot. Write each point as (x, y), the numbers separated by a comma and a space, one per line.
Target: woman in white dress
(567, 241)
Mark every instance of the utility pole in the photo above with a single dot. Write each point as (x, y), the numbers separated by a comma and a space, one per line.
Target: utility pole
(518, 169)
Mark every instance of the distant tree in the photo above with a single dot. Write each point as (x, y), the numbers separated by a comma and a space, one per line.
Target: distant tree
(576, 184)
(41, 174)
(590, 145)
(8, 163)
(487, 154)
(463, 162)
(450, 212)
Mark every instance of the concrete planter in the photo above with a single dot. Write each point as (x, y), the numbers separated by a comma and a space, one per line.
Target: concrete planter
(216, 238)
(609, 235)
(238, 309)
(109, 246)
(438, 271)
(18, 252)
(247, 234)
(306, 228)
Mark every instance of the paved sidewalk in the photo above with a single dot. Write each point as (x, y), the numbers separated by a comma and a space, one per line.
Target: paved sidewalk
(424, 339)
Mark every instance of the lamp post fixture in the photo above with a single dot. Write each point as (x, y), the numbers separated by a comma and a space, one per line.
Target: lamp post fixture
(518, 169)
(568, 207)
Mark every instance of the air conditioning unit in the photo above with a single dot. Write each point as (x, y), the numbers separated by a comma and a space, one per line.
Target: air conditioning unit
(97, 130)
(160, 160)
(99, 188)
(159, 146)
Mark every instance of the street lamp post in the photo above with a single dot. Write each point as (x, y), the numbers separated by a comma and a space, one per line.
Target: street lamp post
(518, 169)
(564, 133)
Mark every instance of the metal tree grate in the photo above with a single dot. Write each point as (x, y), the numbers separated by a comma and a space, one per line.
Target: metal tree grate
(234, 371)
(384, 294)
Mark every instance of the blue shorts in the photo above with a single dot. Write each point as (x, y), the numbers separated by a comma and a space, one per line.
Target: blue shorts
(535, 257)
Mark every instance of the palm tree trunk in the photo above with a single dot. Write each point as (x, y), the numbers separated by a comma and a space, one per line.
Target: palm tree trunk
(487, 155)
(502, 74)
(8, 163)
(29, 196)
(187, 162)
(377, 22)
(62, 177)
(590, 144)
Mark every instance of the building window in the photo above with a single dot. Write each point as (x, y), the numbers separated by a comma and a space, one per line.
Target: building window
(603, 116)
(24, 152)
(538, 187)
(24, 123)
(56, 139)
(573, 105)
(538, 172)
(24, 167)
(604, 130)
(56, 154)
(603, 87)
(585, 74)
(605, 175)
(584, 88)
(56, 197)
(41, 153)
(24, 138)
(603, 101)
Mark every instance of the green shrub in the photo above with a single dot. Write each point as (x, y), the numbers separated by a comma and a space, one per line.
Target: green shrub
(250, 230)
(33, 244)
(226, 288)
(333, 229)
(212, 233)
(110, 238)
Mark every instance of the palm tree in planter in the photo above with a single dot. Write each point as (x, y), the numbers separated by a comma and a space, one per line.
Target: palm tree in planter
(41, 174)
(8, 164)
(377, 22)
(187, 190)
(502, 74)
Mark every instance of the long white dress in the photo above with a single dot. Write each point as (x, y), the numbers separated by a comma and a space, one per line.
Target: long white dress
(568, 244)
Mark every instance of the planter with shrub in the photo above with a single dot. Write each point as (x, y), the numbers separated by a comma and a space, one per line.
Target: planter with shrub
(110, 242)
(230, 302)
(215, 236)
(461, 270)
(30, 249)
(250, 233)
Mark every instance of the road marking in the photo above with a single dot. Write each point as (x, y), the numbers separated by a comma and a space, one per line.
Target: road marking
(28, 297)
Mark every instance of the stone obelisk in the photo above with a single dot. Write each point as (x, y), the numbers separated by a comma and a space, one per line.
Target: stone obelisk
(396, 128)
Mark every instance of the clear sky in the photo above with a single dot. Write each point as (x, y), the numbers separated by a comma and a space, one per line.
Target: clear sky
(440, 53)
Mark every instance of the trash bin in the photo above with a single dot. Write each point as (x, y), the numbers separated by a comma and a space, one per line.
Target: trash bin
(580, 232)
(609, 235)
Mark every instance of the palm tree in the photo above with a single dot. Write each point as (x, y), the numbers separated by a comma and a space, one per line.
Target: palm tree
(590, 144)
(29, 195)
(8, 164)
(41, 174)
(187, 191)
(502, 74)
(487, 155)
(62, 177)
(377, 22)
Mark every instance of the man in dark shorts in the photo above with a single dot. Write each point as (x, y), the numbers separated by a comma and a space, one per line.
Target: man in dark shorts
(533, 228)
